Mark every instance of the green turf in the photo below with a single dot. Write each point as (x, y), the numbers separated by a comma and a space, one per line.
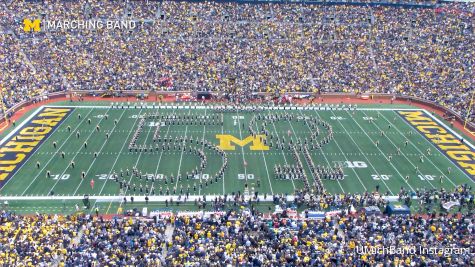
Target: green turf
(365, 165)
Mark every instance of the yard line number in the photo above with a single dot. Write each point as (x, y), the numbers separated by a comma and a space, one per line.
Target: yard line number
(426, 177)
(356, 164)
(60, 177)
(378, 177)
(337, 118)
(243, 176)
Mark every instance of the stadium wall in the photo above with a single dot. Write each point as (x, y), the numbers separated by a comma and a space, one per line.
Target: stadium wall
(133, 95)
(434, 105)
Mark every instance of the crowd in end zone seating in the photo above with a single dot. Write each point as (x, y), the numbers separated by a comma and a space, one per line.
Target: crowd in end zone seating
(242, 48)
(235, 239)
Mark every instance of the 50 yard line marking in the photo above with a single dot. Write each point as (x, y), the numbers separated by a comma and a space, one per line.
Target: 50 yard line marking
(222, 132)
(99, 152)
(242, 149)
(267, 169)
(56, 152)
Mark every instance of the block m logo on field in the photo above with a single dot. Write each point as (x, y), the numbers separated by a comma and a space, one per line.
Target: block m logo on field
(29, 25)
(226, 140)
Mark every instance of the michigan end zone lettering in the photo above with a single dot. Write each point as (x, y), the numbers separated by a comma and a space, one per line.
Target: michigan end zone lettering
(461, 154)
(15, 151)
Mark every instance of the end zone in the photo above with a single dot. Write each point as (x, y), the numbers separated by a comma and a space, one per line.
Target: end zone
(23, 141)
(448, 142)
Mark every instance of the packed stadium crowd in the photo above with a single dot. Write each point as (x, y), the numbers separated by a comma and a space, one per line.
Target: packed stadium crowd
(52, 240)
(236, 238)
(241, 48)
(250, 240)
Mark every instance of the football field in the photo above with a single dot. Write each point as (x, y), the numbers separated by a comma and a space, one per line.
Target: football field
(160, 150)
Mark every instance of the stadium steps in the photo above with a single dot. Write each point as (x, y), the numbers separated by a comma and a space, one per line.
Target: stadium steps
(168, 238)
(74, 242)
(23, 56)
(56, 261)
(27, 61)
(77, 239)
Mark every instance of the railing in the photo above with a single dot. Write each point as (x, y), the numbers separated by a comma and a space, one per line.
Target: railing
(24, 103)
(135, 93)
(470, 125)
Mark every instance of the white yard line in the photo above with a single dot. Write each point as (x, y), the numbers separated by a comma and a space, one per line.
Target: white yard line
(99, 152)
(222, 132)
(392, 165)
(242, 148)
(361, 151)
(118, 156)
(202, 148)
(77, 153)
(56, 152)
(161, 153)
(21, 125)
(417, 148)
(138, 159)
(466, 140)
(434, 146)
(267, 169)
(78, 106)
(283, 154)
(410, 162)
(326, 159)
(181, 156)
(44, 141)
